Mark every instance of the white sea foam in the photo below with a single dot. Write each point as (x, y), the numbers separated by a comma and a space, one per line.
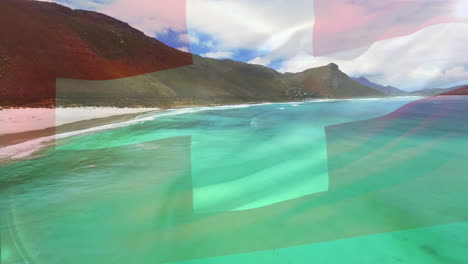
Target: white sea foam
(27, 148)
(17, 120)
(65, 115)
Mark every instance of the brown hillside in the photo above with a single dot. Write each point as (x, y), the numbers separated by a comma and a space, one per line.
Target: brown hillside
(44, 41)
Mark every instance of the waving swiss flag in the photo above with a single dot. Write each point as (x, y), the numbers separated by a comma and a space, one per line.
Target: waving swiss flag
(345, 25)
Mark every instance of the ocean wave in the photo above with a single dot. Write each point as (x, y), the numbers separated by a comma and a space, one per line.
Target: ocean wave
(25, 149)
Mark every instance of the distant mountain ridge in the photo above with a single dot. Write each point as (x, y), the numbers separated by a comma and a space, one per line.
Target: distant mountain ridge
(390, 90)
(434, 91)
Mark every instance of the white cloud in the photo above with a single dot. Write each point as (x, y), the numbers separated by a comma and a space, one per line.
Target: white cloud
(280, 29)
(461, 10)
(428, 58)
(283, 30)
(153, 17)
(59, 2)
(457, 73)
(82, 4)
(184, 37)
(260, 61)
(184, 49)
(208, 43)
(193, 39)
(189, 38)
(219, 54)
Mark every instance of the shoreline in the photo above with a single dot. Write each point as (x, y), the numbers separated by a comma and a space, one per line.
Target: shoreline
(90, 120)
(21, 145)
(20, 137)
(18, 120)
(25, 145)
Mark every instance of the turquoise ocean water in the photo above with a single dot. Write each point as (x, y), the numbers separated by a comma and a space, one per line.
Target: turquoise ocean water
(231, 184)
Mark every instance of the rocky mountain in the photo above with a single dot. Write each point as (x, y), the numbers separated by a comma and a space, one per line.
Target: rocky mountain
(328, 81)
(42, 41)
(390, 90)
(79, 57)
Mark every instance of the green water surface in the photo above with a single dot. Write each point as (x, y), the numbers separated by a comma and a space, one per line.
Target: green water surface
(240, 184)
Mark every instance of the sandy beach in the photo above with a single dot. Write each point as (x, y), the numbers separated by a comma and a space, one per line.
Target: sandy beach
(22, 129)
(19, 120)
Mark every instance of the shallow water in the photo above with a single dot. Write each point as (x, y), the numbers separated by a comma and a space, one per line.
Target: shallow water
(254, 184)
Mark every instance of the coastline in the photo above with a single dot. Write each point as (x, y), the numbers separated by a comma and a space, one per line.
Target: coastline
(21, 145)
(20, 129)
(8, 139)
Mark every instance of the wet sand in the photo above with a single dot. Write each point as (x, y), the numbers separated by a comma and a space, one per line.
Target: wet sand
(16, 138)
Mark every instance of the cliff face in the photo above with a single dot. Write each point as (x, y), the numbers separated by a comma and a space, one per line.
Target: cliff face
(86, 58)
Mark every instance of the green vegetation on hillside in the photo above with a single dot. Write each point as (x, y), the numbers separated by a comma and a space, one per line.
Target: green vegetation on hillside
(210, 81)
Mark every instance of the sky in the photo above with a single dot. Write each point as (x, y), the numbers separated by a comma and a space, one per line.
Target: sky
(409, 44)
